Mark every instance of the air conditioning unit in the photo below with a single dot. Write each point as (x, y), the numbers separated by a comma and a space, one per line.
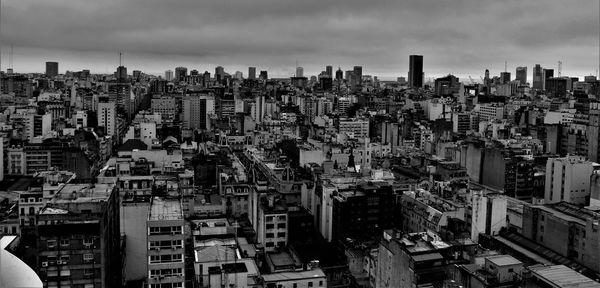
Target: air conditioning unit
(59, 262)
(173, 247)
(44, 264)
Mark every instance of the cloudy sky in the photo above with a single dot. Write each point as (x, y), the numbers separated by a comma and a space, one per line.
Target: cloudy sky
(462, 37)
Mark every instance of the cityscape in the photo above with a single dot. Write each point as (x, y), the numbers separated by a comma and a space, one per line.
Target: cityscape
(364, 174)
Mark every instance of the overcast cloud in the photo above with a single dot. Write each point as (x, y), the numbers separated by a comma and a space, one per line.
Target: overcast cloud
(463, 37)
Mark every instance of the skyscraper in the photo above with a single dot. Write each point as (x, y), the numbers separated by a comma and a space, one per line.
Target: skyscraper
(522, 75)
(357, 77)
(505, 77)
(180, 72)
(538, 80)
(264, 75)
(415, 71)
(548, 73)
(51, 69)
(339, 74)
(107, 115)
(121, 74)
(329, 70)
(299, 72)
(169, 75)
(251, 73)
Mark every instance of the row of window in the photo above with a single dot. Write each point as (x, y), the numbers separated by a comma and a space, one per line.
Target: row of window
(271, 218)
(272, 226)
(166, 244)
(272, 235)
(65, 243)
(166, 272)
(167, 285)
(168, 258)
(272, 244)
(165, 230)
(310, 284)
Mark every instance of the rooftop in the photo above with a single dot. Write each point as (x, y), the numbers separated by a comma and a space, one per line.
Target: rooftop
(289, 276)
(562, 276)
(165, 209)
(83, 193)
(503, 260)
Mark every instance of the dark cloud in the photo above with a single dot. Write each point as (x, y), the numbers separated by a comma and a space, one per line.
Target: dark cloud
(463, 37)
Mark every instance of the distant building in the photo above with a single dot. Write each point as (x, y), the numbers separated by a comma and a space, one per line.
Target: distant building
(538, 77)
(329, 71)
(107, 116)
(272, 219)
(522, 75)
(504, 77)
(488, 214)
(357, 78)
(197, 110)
(252, 73)
(51, 69)
(180, 73)
(415, 71)
(299, 72)
(339, 75)
(169, 75)
(121, 74)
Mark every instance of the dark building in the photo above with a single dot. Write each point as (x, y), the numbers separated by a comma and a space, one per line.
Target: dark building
(505, 77)
(364, 212)
(137, 74)
(522, 75)
(299, 82)
(339, 75)
(120, 93)
(329, 70)
(78, 237)
(415, 71)
(556, 87)
(264, 75)
(194, 72)
(326, 83)
(518, 177)
(180, 73)
(121, 74)
(357, 78)
(447, 85)
(538, 77)
(252, 73)
(51, 69)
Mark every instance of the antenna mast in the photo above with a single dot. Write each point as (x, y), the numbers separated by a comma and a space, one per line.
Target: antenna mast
(559, 68)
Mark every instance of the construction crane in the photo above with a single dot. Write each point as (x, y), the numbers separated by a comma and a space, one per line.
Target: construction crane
(471, 79)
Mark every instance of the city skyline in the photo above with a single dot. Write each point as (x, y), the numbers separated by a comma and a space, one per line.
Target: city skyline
(457, 38)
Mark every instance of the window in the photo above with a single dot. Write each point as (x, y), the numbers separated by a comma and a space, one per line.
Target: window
(310, 284)
(88, 272)
(88, 257)
(64, 242)
(270, 226)
(281, 234)
(65, 258)
(281, 243)
(269, 219)
(270, 235)
(88, 242)
(510, 270)
(51, 244)
(294, 285)
(281, 225)
(321, 283)
(270, 244)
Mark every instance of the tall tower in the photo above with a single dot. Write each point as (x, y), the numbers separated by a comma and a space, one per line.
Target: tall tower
(51, 69)
(415, 71)
(522, 75)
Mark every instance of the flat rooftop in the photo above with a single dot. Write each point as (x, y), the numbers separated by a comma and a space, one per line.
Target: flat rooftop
(290, 276)
(83, 193)
(562, 276)
(504, 260)
(165, 209)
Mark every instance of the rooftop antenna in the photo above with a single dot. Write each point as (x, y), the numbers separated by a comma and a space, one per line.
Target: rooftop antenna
(10, 60)
(505, 64)
(120, 54)
(559, 68)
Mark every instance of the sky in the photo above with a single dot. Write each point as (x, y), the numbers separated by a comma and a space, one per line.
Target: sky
(460, 37)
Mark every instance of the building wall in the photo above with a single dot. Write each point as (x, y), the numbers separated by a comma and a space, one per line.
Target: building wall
(133, 224)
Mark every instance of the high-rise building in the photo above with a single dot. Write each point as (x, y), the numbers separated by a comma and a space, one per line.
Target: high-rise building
(169, 75)
(107, 115)
(415, 71)
(264, 75)
(339, 74)
(252, 73)
(78, 237)
(548, 73)
(197, 109)
(299, 72)
(329, 70)
(568, 179)
(505, 77)
(538, 77)
(194, 72)
(219, 73)
(180, 73)
(166, 250)
(121, 74)
(357, 77)
(51, 69)
(137, 74)
(522, 75)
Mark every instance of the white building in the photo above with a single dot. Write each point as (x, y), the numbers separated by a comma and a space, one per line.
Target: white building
(489, 112)
(197, 110)
(301, 279)
(107, 117)
(568, 179)
(80, 119)
(358, 128)
(488, 214)
(166, 251)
